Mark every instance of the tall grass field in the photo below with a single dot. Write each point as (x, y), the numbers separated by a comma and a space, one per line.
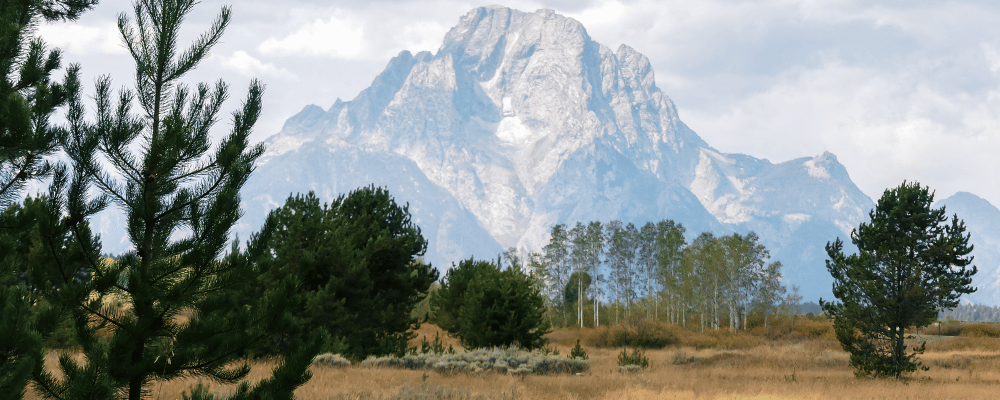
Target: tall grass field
(793, 359)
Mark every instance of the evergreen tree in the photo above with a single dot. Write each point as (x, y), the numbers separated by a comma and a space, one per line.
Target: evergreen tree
(358, 259)
(531, 264)
(447, 302)
(910, 262)
(184, 289)
(29, 245)
(502, 308)
(28, 97)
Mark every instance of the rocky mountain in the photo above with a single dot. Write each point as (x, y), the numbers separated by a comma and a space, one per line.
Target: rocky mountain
(521, 121)
(982, 222)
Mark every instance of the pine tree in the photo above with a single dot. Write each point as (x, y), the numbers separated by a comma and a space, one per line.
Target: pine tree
(911, 262)
(28, 97)
(358, 260)
(184, 288)
(502, 308)
(447, 302)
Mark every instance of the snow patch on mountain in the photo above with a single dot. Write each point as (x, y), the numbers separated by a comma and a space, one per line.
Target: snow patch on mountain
(816, 171)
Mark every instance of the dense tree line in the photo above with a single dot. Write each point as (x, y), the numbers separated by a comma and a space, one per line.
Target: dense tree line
(652, 272)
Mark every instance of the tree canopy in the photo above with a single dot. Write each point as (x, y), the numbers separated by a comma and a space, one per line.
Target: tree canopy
(448, 300)
(486, 306)
(359, 262)
(912, 261)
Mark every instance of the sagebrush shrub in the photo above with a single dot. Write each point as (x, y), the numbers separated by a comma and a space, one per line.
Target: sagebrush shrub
(681, 358)
(331, 360)
(630, 369)
(504, 360)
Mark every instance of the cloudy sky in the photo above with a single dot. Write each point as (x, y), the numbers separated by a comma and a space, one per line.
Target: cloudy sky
(898, 90)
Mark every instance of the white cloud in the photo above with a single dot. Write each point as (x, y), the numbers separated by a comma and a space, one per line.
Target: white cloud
(342, 36)
(361, 34)
(884, 126)
(602, 14)
(248, 65)
(73, 38)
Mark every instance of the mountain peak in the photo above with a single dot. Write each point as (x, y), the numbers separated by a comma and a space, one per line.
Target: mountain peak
(521, 121)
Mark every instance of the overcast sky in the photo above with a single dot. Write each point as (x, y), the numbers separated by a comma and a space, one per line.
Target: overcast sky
(898, 90)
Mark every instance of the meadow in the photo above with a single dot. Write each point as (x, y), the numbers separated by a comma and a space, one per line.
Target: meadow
(788, 361)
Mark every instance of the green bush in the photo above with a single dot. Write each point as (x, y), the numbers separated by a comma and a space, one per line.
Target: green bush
(636, 357)
(500, 308)
(198, 392)
(358, 261)
(435, 347)
(578, 352)
(637, 333)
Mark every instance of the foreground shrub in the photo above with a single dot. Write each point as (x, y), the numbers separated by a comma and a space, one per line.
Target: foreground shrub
(681, 358)
(814, 328)
(637, 333)
(435, 347)
(636, 357)
(331, 360)
(198, 392)
(512, 360)
(578, 352)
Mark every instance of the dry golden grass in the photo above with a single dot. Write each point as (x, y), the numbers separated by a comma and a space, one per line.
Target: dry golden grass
(703, 366)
